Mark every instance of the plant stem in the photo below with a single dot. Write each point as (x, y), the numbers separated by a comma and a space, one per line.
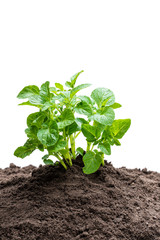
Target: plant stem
(61, 161)
(102, 159)
(77, 134)
(72, 141)
(67, 148)
(88, 146)
(92, 147)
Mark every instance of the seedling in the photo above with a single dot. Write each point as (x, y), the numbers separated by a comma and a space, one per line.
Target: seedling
(58, 122)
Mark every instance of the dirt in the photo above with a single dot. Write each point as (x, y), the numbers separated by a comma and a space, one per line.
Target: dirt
(50, 203)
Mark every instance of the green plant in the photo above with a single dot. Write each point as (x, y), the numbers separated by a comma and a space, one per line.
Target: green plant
(57, 124)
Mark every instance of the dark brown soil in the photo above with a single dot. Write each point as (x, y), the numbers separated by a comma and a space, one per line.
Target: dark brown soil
(49, 203)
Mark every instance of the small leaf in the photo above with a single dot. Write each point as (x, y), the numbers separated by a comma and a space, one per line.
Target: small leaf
(48, 162)
(78, 88)
(80, 121)
(120, 127)
(103, 97)
(74, 127)
(105, 117)
(28, 104)
(74, 78)
(28, 91)
(59, 86)
(105, 147)
(66, 118)
(92, 162)
(116, 105)
(85, 99)
(45, 156)
(80, 151)
(84, 108)
(68, 84)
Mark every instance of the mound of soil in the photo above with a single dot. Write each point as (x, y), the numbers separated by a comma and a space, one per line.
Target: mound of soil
(50, 203)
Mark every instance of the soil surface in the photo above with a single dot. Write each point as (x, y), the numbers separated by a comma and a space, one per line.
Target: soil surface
(50, 203)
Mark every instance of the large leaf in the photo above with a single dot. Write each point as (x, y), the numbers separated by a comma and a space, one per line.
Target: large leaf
(78, 88)
(28, 91)
(90, 132)
(103, 97)
(23, 151)
(45, 91)
(49, 136)
(84, 108)
(105, 147)
(66, 118)
(37, 100)
(92, 162)
(105, 117)
(36, 119)
(120, 127)
(27, 149)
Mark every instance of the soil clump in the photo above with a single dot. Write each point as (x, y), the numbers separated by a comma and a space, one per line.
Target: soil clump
(49, 203)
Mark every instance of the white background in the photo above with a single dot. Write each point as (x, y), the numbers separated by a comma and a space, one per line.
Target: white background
(116, 43)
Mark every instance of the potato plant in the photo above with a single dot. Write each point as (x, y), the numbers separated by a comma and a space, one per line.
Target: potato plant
(62, 115)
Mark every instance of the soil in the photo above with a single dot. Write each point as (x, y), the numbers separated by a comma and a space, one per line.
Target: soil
(50, 203)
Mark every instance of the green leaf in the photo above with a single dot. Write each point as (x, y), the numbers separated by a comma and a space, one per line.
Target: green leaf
(92, 162)
(74, 127)
(25, 150)
(74, 78)
(105, 147)
(44, 91)
(85, 99)
(80, 151)
(120, 127)
(49, 136)
(61, 144)
(68, 84)
(66, 118)
(116, 142)
(28, 91)
(84, 108)
(48, 162)
(116, 105)
(90, 132)
(78, 88)
(31, 132)
(106, 118)
(36, 119)
(28, 104)
(103, 97)
(46, 105)
(59, 86)
(80, 121)
(37, 100)
(45, 156)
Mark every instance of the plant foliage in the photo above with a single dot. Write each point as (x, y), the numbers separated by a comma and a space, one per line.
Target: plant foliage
(58, 122)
